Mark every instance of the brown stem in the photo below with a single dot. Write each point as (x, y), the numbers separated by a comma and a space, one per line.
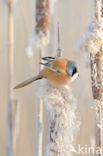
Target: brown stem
(97, 89)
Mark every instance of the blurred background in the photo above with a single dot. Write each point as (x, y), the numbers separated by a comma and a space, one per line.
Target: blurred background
(73, 18)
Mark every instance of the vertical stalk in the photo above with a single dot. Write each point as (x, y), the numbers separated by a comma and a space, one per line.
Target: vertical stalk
(13, 107)
(97, 89)
(10, 49)
(97, 80)
(59, 50)
(39, 119)
(42, 19)
(10, 81)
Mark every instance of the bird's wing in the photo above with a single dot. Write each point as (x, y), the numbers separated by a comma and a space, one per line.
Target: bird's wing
(48, 58)
(48, 63)
(49, 66)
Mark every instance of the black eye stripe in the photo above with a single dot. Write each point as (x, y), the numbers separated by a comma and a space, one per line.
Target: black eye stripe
(74, 71)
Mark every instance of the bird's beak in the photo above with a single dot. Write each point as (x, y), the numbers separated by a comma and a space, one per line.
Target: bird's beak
(78, 71)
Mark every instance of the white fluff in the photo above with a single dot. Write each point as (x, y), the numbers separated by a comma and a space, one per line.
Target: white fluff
(62, 120)
(91, 40)
(36, 41)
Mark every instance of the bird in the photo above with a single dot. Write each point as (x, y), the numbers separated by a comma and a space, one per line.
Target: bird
(57, 70)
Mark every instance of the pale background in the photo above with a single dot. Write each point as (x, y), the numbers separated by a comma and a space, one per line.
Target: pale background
(73, 16)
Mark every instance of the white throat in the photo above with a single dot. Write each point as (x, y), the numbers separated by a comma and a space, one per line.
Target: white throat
(74, 77)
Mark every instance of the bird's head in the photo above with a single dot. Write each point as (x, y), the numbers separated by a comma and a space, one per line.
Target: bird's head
(72, 70)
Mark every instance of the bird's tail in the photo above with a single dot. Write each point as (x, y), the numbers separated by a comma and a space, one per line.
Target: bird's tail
(27, 82)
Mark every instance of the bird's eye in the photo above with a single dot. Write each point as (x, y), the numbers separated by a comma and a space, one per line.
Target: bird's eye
(71, 68)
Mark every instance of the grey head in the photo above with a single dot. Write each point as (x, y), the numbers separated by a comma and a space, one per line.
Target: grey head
(72, 68)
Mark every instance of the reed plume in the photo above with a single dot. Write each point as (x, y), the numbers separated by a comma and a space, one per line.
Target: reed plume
(61, 118)
(92, 42)
(40, 34)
